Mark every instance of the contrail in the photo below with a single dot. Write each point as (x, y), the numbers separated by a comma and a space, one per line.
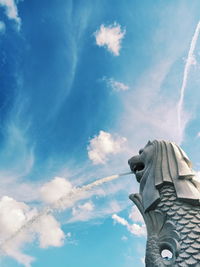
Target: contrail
(59, 205)
(188, 64)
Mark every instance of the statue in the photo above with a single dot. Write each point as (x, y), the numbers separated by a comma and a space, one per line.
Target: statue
(169, 203)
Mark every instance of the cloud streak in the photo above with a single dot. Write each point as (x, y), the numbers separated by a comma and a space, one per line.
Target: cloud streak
(189, 62)
(2, 27)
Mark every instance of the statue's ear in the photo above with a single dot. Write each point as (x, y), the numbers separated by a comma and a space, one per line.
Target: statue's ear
(183, 163)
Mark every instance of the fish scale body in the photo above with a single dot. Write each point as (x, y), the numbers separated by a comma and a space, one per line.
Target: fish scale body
(169, 201)
(187, 220)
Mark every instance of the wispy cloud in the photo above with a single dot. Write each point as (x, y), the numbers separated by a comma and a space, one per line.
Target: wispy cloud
(110, 37)
(115, 85)
(82, 212)
(103, 145)
(135, 229)
(135, 215)
(16, 162)
(124, 238)
(189, 62)
(147, 113)
(2, 27)
(75, 23)
(17, 153)
(11, 11)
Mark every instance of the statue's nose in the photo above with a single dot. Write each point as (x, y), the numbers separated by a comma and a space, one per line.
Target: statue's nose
(130, 162)
(133, 160)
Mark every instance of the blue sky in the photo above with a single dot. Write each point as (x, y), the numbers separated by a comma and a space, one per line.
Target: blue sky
(84, 85)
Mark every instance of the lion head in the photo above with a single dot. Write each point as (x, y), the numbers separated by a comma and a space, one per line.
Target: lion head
(159, 163)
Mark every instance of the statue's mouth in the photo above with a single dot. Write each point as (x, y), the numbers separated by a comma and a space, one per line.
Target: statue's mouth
(137, 167)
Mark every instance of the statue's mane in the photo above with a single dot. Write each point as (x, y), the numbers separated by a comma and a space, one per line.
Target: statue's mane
(169, 165)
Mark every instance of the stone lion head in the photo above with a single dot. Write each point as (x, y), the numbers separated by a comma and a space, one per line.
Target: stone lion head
(159, 163)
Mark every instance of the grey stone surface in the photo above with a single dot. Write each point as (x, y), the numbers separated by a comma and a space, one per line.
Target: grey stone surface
(169, 203)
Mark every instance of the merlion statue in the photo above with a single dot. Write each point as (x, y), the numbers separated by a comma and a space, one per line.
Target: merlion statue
(169, 201)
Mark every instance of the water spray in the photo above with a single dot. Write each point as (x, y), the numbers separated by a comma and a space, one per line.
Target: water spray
(60, 205)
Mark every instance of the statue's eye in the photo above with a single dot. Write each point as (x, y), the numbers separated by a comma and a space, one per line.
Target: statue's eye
(140, 151)
(166, 254)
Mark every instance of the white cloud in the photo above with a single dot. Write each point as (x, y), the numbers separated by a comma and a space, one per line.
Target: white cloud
(124, 238)
(55, 189)
(143, 260)
(50, 233)
(13, 250)
(110, 37)
(135, 215)
(13, 215)
(115, 85)
(103, 145)
(68, 235)
(11, 11)
(20, 227)
(88, 206)
(2, 27)
(135, 229)
(82, 212)
(120, 220)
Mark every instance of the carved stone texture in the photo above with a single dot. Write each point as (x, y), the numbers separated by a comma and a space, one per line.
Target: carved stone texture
(169, 203)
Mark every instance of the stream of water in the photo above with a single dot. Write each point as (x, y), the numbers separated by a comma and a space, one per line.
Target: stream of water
(60, 205)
